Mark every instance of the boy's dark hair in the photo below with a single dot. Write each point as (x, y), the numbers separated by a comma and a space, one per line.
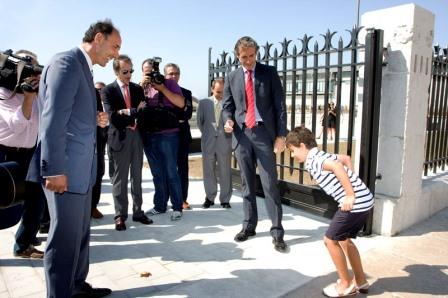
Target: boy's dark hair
(106, 27)
(299, 135)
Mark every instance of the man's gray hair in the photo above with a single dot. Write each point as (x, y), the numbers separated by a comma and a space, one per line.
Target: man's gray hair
(245, 42)
(171, 65)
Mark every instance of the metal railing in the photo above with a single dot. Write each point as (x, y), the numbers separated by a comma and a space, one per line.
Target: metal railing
(312, 77)
(436, 156)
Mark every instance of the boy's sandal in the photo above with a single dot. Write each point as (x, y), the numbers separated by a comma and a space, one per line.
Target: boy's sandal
(332, 291)
(364, 288)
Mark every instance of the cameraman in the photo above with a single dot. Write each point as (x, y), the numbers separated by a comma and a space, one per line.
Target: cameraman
(19, 122)
(161, 146)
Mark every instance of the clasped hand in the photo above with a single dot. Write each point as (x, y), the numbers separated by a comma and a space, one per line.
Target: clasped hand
(102, 119)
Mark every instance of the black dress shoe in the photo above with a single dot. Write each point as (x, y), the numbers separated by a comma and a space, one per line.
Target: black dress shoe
(279, 244)
(119, 224)
(43, 229)
(207, 203)
(226, 205)
(88, 292)
(244, 235)
(144, 220)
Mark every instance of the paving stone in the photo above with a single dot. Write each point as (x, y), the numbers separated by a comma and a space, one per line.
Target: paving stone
(197, 256)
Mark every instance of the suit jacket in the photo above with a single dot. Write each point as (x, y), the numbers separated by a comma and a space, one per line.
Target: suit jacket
(188, 109)
(67, 128)
(269, 97)
(213, 138)
(101, 132)
(185, 115)
(113, 102)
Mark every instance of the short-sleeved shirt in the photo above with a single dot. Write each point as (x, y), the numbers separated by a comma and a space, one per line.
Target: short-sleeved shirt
(15, 129)
(152, 98)
(331, 185)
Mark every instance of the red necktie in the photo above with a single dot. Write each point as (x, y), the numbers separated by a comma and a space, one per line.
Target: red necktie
(250, 101)
(127, 100)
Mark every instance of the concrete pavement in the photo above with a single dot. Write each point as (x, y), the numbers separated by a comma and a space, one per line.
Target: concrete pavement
(197, 257)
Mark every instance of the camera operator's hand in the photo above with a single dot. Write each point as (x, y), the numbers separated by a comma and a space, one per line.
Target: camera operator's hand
(145, 81)
(29, 96)
(159, 87)
(56, 183)
(30, 85)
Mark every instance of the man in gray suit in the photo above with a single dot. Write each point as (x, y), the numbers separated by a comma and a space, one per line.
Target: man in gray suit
(254, 109)
(216, 147)
(65, 160)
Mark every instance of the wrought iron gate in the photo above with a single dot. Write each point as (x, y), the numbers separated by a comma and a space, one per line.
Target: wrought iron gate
(311, 79)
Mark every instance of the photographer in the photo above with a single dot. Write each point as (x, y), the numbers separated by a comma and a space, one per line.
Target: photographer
(19, 122)
(161, 145)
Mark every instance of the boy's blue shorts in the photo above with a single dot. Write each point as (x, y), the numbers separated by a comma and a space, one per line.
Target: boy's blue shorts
(346, 225)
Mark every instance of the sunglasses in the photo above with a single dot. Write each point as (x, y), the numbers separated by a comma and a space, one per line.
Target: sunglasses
(125, 72)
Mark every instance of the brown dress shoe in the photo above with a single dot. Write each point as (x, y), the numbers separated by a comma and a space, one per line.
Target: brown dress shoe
(30, 253)
(119, 224)
(186, 206)
(144, 220)
(96, 213)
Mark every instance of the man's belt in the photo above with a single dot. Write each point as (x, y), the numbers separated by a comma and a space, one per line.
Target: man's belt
(14, 149)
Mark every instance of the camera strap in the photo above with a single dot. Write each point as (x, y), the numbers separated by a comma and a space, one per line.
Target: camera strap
(20, 66)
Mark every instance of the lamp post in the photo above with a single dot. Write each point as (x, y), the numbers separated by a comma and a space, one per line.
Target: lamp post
(358, 4)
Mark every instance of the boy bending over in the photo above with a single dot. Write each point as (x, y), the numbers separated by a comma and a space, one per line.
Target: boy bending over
(334, 174)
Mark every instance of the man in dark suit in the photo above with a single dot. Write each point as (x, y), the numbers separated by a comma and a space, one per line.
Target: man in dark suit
(101, 139)
(65, 158)
(255, 110)
(121, 100)
(172, 71)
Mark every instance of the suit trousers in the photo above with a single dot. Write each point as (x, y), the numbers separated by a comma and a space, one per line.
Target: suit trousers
(101, 149)
(255, 148)
(214, 163)
(182, 157)
(66, 260)
(130, 157)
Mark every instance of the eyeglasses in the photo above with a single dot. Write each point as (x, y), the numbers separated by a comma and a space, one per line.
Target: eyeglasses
(125, 72)
(173, 73)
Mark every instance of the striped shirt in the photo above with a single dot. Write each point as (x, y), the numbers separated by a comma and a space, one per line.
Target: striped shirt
(331, 185)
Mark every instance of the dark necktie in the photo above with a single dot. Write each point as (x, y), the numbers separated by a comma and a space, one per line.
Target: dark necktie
(250, 101)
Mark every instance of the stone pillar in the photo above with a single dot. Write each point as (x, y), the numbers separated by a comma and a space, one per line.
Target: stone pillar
(408, 35)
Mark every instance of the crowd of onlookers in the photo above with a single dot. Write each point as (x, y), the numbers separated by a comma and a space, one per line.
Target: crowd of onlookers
(58, 129)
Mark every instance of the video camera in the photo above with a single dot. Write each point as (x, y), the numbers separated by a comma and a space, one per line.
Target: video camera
(155, 76)
(14, 70)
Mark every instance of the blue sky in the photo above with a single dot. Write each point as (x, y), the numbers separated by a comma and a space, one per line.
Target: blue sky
(181, 31)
